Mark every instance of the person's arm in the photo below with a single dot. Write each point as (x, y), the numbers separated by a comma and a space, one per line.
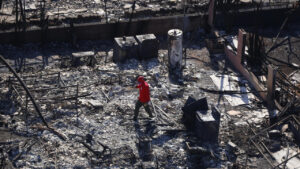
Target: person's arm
(138, 86)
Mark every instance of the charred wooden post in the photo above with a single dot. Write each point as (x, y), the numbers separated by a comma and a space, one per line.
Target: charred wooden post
(23, 15)
(58, 79)
(105, 8)
(77, 101)
(211, 13)
(17, 22)
(271, 87)
(241, 45)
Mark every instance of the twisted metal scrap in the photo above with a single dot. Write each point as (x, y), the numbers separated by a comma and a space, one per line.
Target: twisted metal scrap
(32, 100)
(25, 88)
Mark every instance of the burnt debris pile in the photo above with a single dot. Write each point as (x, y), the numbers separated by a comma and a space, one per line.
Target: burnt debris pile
(221, 96)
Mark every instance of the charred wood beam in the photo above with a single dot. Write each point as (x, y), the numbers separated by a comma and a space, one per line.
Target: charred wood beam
(17, 15)
(74, 97)
(105, 95)
(12, 86)
(154, 109)
(164, 116)
(105, 9)
(262, 143)
(97, 153)
(24, 152)
(261, 152)
(51, 130)
(286, 108)
(23, 14)
(281, 28)
(276, 124)
(283, 62)
(130, 19)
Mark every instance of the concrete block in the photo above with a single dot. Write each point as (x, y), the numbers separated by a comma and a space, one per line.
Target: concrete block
(125, 48)
(190, 108)
(83, 58)
(206, 126)
(200, 104)
(148, 46)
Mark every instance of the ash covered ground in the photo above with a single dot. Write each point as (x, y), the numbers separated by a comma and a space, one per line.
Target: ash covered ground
(98, 127)
(78, 11)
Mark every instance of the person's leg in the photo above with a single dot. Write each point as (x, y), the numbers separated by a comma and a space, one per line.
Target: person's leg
(147, 108)
(138, 105)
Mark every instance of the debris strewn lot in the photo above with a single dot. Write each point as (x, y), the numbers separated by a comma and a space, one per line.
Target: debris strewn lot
(90, 109)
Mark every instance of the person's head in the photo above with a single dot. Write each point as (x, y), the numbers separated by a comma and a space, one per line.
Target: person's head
(140, 79)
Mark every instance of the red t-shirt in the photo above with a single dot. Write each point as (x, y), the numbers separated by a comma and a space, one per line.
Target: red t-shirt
(144, 92)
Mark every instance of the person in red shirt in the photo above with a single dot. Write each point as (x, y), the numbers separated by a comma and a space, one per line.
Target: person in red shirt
(144, 97)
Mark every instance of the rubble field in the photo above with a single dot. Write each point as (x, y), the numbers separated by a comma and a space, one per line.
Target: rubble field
(89, 109)
(60, 12)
